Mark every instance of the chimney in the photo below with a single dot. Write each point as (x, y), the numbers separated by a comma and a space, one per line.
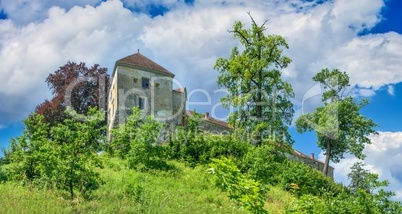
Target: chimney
(312, 156)
(206, 115)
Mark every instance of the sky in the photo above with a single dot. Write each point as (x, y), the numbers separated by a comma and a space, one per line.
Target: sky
(361, 37)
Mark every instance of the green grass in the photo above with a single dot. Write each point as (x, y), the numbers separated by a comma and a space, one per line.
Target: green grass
(182, 190)
(15, 198)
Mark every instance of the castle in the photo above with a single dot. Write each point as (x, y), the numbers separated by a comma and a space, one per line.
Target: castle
(138, 81)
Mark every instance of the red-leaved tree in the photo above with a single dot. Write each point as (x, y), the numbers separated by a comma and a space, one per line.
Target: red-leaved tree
(77, 86)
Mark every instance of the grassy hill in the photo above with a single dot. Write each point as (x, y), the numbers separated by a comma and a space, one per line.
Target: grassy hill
(181, 190)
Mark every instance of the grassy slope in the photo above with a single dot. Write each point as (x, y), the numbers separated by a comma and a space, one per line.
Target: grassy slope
(184, 190)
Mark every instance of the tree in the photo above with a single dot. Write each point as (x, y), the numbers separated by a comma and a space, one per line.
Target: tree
(75, 85)
(253, 80)
(366, 185)
(78, 138)
(26, 154)
(339, 126)
(63, 156)
(363, 179)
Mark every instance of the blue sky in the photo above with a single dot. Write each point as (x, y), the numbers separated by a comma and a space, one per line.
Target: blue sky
(361, 37)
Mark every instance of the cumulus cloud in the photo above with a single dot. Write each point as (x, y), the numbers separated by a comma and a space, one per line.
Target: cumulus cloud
(383, 158)
(187, 40)
(28, 54)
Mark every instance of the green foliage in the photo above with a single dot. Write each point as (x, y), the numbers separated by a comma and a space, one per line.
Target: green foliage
(27, 154)
(139, 141)
(363, 198)
(134, 191)
(196, 147)
(248, 193)
(361, 178)
(63, 156)
(361, 202)
(264, 163)
(145, 150)
(364, 184)
(253, 80)
(339, 126)
(77, 156)
(302, 179)
(124, 134)
(16, 199)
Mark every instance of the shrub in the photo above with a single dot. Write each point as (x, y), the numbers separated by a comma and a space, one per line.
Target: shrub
(146, 152)
(264, 163)
(246, 192)
(307, 179)
(200, 148)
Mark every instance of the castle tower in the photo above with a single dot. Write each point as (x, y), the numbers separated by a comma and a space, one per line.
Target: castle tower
(138, 81)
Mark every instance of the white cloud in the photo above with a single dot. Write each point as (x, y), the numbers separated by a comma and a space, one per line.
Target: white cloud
(391, 90)
(384, 156)
(187, 40)
(29, 53)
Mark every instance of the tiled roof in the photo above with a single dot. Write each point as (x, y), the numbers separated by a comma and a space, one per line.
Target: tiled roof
(180, 90)
(209, 119)
(142, 61)
(300, 154)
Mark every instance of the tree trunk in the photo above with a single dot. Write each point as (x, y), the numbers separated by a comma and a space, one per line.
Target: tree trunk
(326, 164)
(259, 106)
(71, 189)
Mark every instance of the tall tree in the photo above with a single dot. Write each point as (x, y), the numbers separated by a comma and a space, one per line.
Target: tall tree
(75, 85)
(253, 78)
(339, 126)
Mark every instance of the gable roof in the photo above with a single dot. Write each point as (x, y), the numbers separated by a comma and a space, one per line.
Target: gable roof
(140, 61)
(206, 117)
(300, 154)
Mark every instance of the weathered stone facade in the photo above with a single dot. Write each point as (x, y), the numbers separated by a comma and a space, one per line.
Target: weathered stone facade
(138, 81)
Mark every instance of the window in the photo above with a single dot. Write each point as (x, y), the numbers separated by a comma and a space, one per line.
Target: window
(140, 103)
(145, 83)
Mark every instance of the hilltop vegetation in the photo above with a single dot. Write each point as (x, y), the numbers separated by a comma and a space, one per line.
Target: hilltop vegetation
(194, 172)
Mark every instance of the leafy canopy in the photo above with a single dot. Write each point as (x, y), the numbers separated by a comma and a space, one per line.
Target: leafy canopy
(339, 126)
(63, 156)
(75, 85)
(252, 77)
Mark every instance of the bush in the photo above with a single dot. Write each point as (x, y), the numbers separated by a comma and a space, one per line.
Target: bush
(264, 163)
(146, 152)
(200, 148)
(3, 176)
(248, 193)
(302, 179)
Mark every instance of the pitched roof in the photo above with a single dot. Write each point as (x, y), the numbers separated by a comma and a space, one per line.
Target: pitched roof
(206, 117)
(180, 90)
(141, 61)
(300, 154)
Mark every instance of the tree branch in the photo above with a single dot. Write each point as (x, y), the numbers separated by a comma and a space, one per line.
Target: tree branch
(238, 32)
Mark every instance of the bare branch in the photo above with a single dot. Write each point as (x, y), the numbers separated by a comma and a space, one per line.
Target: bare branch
(252, 19)
(262, 26)
(238, 32)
